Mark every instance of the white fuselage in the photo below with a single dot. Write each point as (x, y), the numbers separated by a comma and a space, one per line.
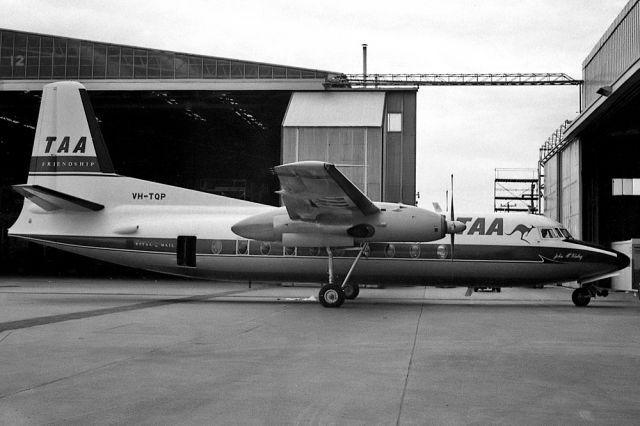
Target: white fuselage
(141, 222)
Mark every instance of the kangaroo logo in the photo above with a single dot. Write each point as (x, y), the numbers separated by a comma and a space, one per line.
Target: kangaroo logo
(523, 230)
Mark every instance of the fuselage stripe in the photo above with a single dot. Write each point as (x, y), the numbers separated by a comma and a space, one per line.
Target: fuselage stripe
(393, 252)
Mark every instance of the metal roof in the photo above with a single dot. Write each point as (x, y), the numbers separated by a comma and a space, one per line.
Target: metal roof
(32, 56)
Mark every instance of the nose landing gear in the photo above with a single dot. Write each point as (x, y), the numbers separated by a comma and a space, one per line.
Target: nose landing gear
(582, 296)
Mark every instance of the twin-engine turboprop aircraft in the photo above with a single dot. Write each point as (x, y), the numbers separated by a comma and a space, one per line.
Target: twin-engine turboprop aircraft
(327, 228)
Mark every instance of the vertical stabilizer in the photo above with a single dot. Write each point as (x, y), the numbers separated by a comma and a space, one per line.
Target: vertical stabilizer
(68, 140)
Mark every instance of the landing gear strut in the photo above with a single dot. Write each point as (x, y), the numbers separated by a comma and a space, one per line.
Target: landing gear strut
(333, 295)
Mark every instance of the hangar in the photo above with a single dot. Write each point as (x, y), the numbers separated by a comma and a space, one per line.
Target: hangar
(201, 122)
(592, 169)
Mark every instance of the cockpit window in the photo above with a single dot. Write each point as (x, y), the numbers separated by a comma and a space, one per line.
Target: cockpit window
(565, 233)
(548, 233)
(554, 233)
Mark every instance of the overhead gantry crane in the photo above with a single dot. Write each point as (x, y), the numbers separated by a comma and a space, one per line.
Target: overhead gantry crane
(457, 79)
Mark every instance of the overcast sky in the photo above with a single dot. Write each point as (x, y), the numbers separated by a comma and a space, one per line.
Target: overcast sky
(467, 131)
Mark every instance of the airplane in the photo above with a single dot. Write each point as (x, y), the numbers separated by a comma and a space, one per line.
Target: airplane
(326, 232)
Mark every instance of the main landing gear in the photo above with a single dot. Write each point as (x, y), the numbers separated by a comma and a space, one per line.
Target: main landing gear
(582, 296)
(333, 295)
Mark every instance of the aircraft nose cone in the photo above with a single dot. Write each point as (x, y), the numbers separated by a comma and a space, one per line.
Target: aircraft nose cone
(622, 261)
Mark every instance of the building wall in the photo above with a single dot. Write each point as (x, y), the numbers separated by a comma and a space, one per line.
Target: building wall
(551, 193)
(615, 53)
(400, 149)
(562, 188)
(570, 192)
(356, 151)
(379, 159)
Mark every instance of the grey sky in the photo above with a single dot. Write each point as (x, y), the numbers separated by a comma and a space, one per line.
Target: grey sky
(467, 131)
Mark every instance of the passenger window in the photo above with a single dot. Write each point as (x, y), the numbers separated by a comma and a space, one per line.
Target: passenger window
(265, 248)
(390, 250)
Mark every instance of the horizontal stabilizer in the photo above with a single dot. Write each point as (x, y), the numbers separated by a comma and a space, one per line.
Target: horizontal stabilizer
(49, 200)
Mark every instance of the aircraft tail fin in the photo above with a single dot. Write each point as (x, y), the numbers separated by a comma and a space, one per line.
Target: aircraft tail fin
(68, 140)
(49, 199)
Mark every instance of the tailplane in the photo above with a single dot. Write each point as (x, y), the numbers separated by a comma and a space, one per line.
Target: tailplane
(48, 199)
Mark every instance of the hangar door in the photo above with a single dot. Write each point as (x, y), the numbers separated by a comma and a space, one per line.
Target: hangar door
(344, 128)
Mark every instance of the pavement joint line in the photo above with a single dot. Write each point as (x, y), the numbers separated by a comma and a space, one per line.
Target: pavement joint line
(51, 319)
(5, 336)
(413, 350)
(70, 376)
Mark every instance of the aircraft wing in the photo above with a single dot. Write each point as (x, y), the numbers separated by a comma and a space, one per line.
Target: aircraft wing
(311, 190)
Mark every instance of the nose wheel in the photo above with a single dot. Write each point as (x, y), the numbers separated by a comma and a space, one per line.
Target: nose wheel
(581, 296)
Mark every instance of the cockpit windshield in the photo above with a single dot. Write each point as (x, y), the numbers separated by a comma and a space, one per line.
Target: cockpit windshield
(554, 233)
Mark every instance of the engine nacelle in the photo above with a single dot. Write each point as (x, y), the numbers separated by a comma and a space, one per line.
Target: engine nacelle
(393, 223)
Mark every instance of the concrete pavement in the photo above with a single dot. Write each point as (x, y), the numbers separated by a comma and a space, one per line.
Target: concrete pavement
(185, 352)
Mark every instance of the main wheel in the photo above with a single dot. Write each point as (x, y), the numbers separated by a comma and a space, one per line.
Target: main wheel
(331, 296)
(351, 291)
(581, 297)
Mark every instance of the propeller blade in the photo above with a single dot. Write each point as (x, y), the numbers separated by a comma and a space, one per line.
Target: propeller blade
(453, 234)
(452, 215)
(453, 239)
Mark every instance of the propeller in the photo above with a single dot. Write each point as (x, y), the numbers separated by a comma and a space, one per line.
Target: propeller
(453, 218)
(454, 226)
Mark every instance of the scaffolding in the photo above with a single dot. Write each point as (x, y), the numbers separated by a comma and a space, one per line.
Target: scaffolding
(516, 190)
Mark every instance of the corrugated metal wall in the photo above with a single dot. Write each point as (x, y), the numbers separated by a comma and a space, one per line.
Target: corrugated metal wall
(617, 51)
(551, 188)
(562, 188)
(379, 160)
(356, 151)
(400, 150)
(570, 195)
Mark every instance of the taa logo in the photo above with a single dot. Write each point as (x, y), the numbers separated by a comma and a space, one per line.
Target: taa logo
(479, 226)
(64, 146)
(496, 227)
